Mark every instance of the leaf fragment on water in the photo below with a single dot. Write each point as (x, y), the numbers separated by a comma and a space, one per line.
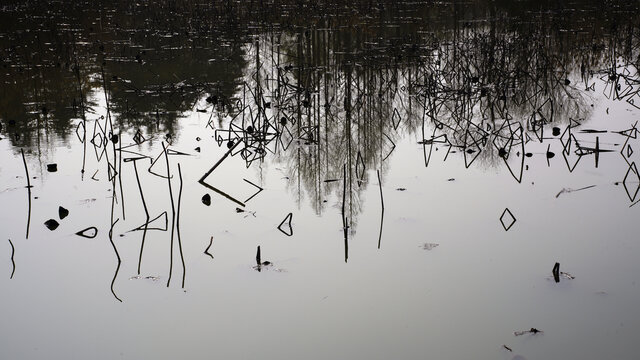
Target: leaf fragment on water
(429, 246)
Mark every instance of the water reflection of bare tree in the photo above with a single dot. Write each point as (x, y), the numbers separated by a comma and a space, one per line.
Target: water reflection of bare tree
(328, 88)
(338, 87)
(330, 114)
(342, 98)
(160, 59)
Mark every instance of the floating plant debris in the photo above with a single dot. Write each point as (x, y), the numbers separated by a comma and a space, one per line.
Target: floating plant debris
(62, 212)
(533, 331)
(89, 233)
(13, 263)
(51, 224)
(206, 251)
(507, 219)
(557, 273)
(149, 277)
(568, 190)
(285, 226)
(260, 265)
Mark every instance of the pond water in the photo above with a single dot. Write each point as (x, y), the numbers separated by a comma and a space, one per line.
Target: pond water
(312, 180)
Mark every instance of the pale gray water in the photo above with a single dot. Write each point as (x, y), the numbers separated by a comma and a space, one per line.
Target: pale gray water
(407, 299)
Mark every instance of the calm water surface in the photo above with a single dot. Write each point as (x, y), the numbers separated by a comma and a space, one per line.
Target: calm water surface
(410, 173)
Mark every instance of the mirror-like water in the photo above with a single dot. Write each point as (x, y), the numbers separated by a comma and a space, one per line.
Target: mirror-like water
(284, 179)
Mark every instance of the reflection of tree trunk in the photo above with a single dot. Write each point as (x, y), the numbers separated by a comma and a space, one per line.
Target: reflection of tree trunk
(299, 109)
(347, 108)
(258, 87)
(489, 71)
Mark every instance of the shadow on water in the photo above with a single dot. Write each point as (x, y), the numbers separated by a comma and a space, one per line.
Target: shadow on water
(327, 95)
